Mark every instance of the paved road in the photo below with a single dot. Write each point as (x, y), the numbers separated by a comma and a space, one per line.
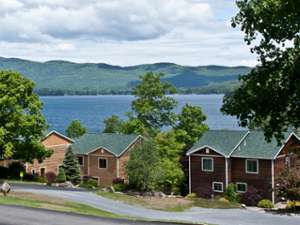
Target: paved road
(14, 215)
(212, 216)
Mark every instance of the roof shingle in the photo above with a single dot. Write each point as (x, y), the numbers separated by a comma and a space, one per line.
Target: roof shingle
(115, 143)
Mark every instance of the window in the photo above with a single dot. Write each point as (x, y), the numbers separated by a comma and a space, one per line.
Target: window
(33, 172)
(217, 186)
(241, 187)
(252, 166)
(102, 163)
(207, 164)
(80, 160)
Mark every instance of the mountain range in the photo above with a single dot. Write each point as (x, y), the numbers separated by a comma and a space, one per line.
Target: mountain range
(62, 77)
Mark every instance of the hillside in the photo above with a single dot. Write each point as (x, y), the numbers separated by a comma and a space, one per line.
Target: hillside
(62, 77)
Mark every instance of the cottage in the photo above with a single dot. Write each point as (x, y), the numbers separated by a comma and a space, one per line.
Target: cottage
(244, 158)
(104, 156)
(58, 143)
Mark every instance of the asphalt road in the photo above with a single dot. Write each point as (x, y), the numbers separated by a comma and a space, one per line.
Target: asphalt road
(196, 214)
(15, 215)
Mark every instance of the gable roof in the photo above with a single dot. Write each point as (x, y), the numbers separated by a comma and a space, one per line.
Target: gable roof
(221, 141)
(114, 143)
(255, 146)
(48, 133)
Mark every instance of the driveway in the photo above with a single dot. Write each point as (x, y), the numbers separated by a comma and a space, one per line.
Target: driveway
(212, 216)
(15, 215)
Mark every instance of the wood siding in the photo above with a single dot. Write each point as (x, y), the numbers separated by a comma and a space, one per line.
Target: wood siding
(58, 145)
(201, 181)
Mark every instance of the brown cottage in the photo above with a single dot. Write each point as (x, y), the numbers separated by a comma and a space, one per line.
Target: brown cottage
(100, 156)
(104, 156)
(59, 144)
(244, 158)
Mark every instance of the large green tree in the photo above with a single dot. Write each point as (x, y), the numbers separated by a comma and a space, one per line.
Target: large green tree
(269, 96)
(21, 120)
(113, 124)
(75, 129)
(152, 106)
(191, 126)
(141, 166)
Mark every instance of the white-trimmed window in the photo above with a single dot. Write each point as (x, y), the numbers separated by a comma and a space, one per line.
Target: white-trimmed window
(80, 160)
(217, 186)
(207, 164)
(102, 163)
(241, 187)
(252, 166)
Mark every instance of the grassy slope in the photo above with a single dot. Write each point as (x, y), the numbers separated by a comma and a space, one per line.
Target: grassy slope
(60, 75)
(45, 202)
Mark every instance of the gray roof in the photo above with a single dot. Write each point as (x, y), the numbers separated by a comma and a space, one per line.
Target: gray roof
(115, 143)
(223, 141)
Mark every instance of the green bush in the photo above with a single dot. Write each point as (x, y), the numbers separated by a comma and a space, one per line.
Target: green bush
(61, 177)
(265, 203)
(231, 194)
(191, 196)
(120, 187)
(90, 184)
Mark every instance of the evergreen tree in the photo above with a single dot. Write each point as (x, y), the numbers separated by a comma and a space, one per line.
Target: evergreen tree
(71, 167)
(61, 177)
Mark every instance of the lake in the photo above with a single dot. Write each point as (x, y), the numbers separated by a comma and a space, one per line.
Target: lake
(92, 110)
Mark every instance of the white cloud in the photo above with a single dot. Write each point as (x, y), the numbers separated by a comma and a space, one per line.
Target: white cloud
(124, 32)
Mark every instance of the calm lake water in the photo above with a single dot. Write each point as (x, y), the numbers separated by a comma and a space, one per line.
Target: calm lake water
(92, 110)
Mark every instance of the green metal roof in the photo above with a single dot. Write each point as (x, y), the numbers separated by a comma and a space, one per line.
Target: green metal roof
(255, 146)
(115, 143)
(223, 141)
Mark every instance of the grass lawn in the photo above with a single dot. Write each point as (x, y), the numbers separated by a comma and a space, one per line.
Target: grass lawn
(169, 204)
(57, 204)
(215, 203)
(166, 204)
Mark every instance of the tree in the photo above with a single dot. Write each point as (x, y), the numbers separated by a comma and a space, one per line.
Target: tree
(61, 177)
(113, 124)
(269, 95)
(141, 166)
(75, 129)
(168, 175)
(71, 167)
(21, 120)
(288, 184)
(190, 127)
(151, 106)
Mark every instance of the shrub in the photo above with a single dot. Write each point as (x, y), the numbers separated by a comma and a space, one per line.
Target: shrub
(61, 177)
(191, 196)
(265, 203)
(50, 176)
(120, 187)
(90, 184)
(231, 194)
(293, 205)
(225, 200)
(251, 197)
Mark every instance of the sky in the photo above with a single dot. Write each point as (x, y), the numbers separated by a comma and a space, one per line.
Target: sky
(123, 32)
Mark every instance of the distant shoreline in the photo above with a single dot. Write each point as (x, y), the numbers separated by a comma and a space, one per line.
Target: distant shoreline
(128, 95)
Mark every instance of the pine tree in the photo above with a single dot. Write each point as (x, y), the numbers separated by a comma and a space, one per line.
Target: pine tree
(61, 177)
(71, 167)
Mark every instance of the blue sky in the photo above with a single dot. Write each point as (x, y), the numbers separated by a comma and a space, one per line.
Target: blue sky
(123, 32)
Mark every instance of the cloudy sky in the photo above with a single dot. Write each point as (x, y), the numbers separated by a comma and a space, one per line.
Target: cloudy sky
(123, 32)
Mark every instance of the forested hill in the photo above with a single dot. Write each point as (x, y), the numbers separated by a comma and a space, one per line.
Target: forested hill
(62, 77)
